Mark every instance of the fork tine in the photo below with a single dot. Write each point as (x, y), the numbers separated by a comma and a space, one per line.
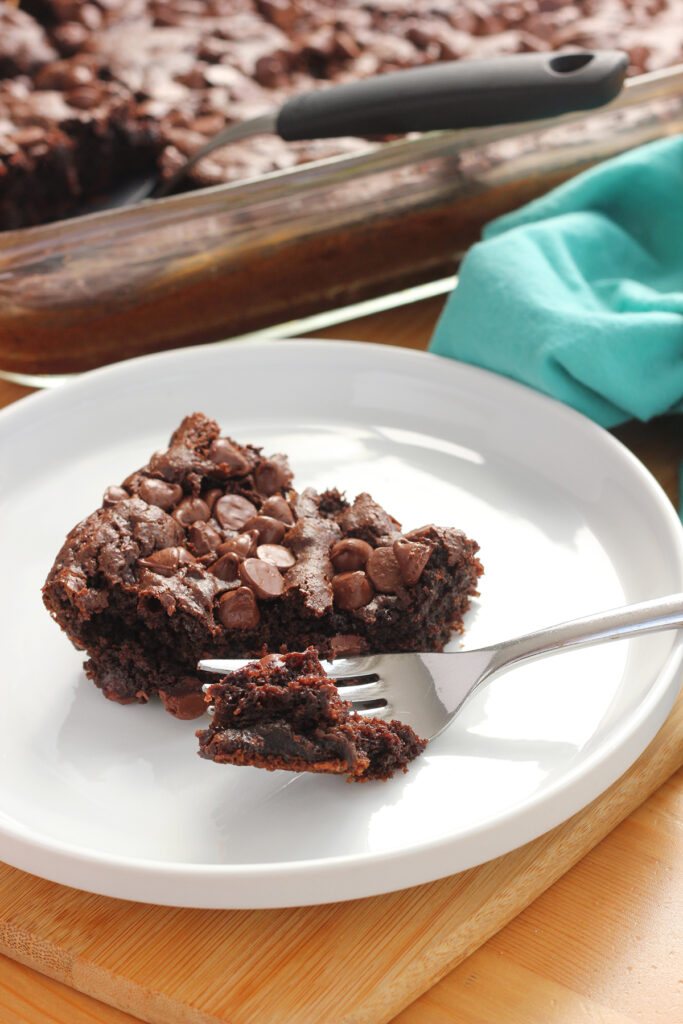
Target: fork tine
(363, 692)
(368, 691)
(371, 690)
(385, 712)
(336, 670)
(339, 675)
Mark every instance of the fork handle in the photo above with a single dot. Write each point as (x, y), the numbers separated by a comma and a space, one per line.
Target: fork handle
(620, 623)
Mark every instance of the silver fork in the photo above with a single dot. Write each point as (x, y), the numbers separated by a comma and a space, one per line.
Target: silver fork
(427, 690)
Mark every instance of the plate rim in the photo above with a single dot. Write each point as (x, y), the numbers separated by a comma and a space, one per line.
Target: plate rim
(643, 722)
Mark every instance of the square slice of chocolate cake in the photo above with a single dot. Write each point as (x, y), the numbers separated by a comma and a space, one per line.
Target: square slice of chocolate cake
(284, 712)
(209, 552)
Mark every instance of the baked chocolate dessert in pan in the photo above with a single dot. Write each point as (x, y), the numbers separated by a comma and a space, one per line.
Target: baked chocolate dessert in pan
(92, 91)
(209, 552)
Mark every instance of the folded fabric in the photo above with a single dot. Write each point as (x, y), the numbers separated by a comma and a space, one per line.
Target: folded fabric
(580, 293)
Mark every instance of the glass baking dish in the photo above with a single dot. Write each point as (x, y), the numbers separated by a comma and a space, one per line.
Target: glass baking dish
(222, 261)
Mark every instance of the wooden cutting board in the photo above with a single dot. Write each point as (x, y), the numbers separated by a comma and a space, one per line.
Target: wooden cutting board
(177, 966)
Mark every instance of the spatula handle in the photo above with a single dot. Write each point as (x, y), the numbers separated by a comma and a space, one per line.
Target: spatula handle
(459, 94)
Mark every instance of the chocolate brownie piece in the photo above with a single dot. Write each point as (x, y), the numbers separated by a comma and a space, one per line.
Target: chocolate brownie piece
(208, 551)
(69, 139)
(285, 712)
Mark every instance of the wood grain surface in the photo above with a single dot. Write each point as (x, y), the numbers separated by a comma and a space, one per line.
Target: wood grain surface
(597, 942)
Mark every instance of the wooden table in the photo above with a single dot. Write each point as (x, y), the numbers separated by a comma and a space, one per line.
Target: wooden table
(602, 944)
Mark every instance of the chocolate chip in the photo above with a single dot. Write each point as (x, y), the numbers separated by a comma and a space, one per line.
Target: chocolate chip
(347, 47)
(114, 494)
(262, 577)
(63, 75)
(352, 590)
(238, 609)
(281, 12)
(89, 15)
(277, 508)
(85, 97)
(270, 531)
(232, 511)
(350, 554)
(185, 706)
(276, 554)
(226, 567)
(132, 482)
(227, 458)
(202, 538)
(208, 559)
(383, 570)
(191, 510)
(411, 558)
(167, 561)
(70, 37)
(269, 477)
(212, 496)
(271, 68)
(244, 545)
(160, 493)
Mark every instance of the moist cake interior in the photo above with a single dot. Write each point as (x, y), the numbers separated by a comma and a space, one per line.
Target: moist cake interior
(284, 712)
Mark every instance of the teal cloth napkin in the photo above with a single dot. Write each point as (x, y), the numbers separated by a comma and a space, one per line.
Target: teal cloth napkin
(580, 293)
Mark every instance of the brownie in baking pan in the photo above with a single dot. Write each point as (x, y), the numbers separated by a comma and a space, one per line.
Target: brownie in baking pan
(59, 146)
(285, 712)
(209, 552)
(135, 86)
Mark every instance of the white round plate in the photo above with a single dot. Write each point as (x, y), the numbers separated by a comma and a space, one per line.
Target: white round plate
(115, 799)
